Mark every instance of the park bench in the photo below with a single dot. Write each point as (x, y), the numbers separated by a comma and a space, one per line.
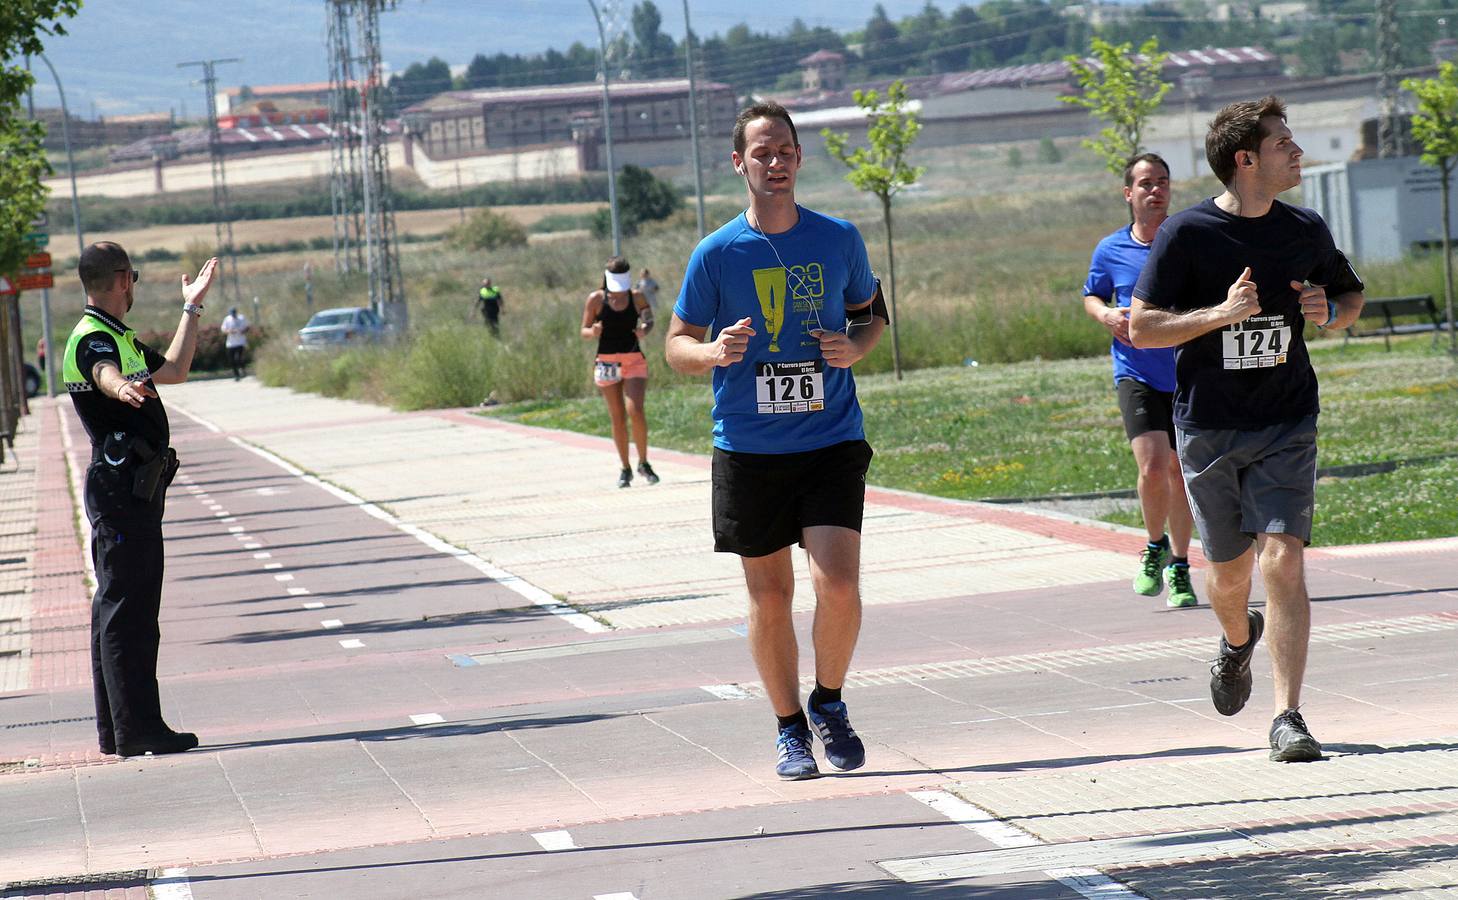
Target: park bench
(1389, 309)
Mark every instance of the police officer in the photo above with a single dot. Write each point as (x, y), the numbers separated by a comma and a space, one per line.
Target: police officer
(490, 300)
(112, 379)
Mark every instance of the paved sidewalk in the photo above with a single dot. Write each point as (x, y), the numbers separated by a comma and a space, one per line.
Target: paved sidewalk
(434, 655)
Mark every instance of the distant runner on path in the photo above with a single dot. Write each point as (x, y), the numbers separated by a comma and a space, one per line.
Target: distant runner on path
(789, 296)
(616, 316)
(1145, 383)
(1231, 283)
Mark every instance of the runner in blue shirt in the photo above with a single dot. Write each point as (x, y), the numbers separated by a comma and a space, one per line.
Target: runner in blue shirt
(791, 302)
(1145, 382)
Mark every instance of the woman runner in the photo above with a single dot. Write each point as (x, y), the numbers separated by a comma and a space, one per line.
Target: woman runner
(618, 316)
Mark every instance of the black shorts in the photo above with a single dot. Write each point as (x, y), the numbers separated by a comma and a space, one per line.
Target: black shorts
(763, 500)
(1145, 409)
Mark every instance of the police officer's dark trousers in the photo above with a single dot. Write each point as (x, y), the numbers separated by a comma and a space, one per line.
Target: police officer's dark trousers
(126, 547)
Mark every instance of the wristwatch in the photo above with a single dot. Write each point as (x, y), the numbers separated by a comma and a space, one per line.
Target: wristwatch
(194, 308)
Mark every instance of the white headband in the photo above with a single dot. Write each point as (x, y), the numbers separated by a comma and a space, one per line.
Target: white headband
(617, 282)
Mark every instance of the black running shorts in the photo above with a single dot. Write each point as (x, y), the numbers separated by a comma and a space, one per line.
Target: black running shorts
(763, 500)
(1144, 409)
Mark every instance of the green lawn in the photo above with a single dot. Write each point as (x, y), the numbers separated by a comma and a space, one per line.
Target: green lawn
(1037, 428)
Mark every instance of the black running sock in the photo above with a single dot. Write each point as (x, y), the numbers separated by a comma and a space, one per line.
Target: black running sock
(1179, 560)
(1235, 649)
(823, 695)
(797, 719)
(1161, 544)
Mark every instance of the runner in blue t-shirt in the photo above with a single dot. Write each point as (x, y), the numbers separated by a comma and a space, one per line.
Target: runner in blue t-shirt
(1145, 382)
(792, 304)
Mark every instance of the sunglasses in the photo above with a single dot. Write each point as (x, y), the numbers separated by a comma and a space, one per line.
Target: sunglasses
(136, 276)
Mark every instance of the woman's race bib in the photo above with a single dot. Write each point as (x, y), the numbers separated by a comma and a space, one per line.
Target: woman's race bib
(607, 372)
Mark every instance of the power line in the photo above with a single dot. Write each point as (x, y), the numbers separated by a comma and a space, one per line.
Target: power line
(222, 214)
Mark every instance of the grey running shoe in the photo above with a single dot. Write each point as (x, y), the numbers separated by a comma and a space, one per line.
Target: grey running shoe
(795, 760)
(1291, 740)
(1230, 680)
(625, 478)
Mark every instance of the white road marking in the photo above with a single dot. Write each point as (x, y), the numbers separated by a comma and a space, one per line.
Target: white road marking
(221, 514)
(1088, 882)
(554, 840)
(727, 691)
(298, 592)
(500, 576)
(271, 566)
(351, 644)
(620, 895)
(284, 577)
(314, 604)
(173, 885)
(427, 718)
(237, 529)
(229, 519)
(988, 827)
(250, 546)
(264, 555)
(332, 623)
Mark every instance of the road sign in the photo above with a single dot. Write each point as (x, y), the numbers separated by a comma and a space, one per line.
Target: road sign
(35, 282)
(38, 261)
(38, 238)
(40, 221)
(6, 288)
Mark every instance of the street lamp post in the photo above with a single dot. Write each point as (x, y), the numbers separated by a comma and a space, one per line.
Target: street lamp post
(688, 52)
(607, 130)
(75, 220)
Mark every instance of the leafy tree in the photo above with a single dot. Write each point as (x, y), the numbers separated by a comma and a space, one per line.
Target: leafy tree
(881, 168)
(421, 81)
(23, 23)
(1435, 128)
(1123, 89)
(881, 44)
(642, 197)
(487, 230)
(653, 51)
(1048, 151)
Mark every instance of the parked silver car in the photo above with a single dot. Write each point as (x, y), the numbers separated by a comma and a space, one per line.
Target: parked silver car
(341, 327)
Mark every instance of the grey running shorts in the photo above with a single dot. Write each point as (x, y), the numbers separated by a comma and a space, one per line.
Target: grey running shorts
(1244, 483)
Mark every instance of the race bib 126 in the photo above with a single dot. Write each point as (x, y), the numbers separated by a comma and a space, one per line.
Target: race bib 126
(790, 387)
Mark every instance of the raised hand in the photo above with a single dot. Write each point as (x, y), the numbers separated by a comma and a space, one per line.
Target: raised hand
(1241, 300)
(732, 343)
(195, 291)
(1313, 302)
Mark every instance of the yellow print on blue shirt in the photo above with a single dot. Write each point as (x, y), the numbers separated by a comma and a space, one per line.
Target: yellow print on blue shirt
(805, 287)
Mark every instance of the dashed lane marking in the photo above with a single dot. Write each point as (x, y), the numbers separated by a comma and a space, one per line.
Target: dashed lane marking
(284, 577)
(554, 840)
(1010, 841)
(298, 592)
(272, 566)
(427, 718)
(250, 546)
(314, 605)
(351, 643)
(332, 623)
(620, 895)
(237, 529)
(264, 555)
(727, 691)
(172, 885)
(502, 577)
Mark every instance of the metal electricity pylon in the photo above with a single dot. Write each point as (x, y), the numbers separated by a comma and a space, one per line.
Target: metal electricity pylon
(1389, 133)
(346, 190)
(222, 210)
(355, 25)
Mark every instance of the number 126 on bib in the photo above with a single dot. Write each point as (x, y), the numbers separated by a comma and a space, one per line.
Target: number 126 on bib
(790, 387)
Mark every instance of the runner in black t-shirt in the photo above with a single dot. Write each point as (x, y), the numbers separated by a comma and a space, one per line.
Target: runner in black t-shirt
(1231, 283)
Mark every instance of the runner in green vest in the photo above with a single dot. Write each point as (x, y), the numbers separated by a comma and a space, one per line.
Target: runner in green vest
(489, 299)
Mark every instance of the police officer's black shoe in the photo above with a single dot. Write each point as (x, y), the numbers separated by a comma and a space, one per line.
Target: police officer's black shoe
(158, 744)
(107, 748)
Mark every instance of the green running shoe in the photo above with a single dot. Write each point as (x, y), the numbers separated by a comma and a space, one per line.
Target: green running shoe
(1149, 581)
(1181, 592)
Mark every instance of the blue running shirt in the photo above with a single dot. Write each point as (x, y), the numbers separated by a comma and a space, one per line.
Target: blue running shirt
(734, 273)
(1112, 273)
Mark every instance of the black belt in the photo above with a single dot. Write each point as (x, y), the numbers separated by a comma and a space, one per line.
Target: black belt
(152, 470)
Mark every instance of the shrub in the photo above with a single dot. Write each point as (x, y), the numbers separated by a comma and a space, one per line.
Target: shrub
(1014, 158)
(211, 354)
(1048, 152)
(487, 230)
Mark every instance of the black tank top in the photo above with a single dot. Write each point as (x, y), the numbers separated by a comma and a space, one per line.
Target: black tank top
(619, 328)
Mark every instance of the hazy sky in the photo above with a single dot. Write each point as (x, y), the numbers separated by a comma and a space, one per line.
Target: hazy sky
(120, 55)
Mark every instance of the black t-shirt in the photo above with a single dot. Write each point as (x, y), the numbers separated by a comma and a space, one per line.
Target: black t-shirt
(101, 414)
(1255, 373)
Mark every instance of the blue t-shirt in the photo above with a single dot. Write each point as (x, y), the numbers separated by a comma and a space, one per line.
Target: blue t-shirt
(820, 265)
(1112, 273)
